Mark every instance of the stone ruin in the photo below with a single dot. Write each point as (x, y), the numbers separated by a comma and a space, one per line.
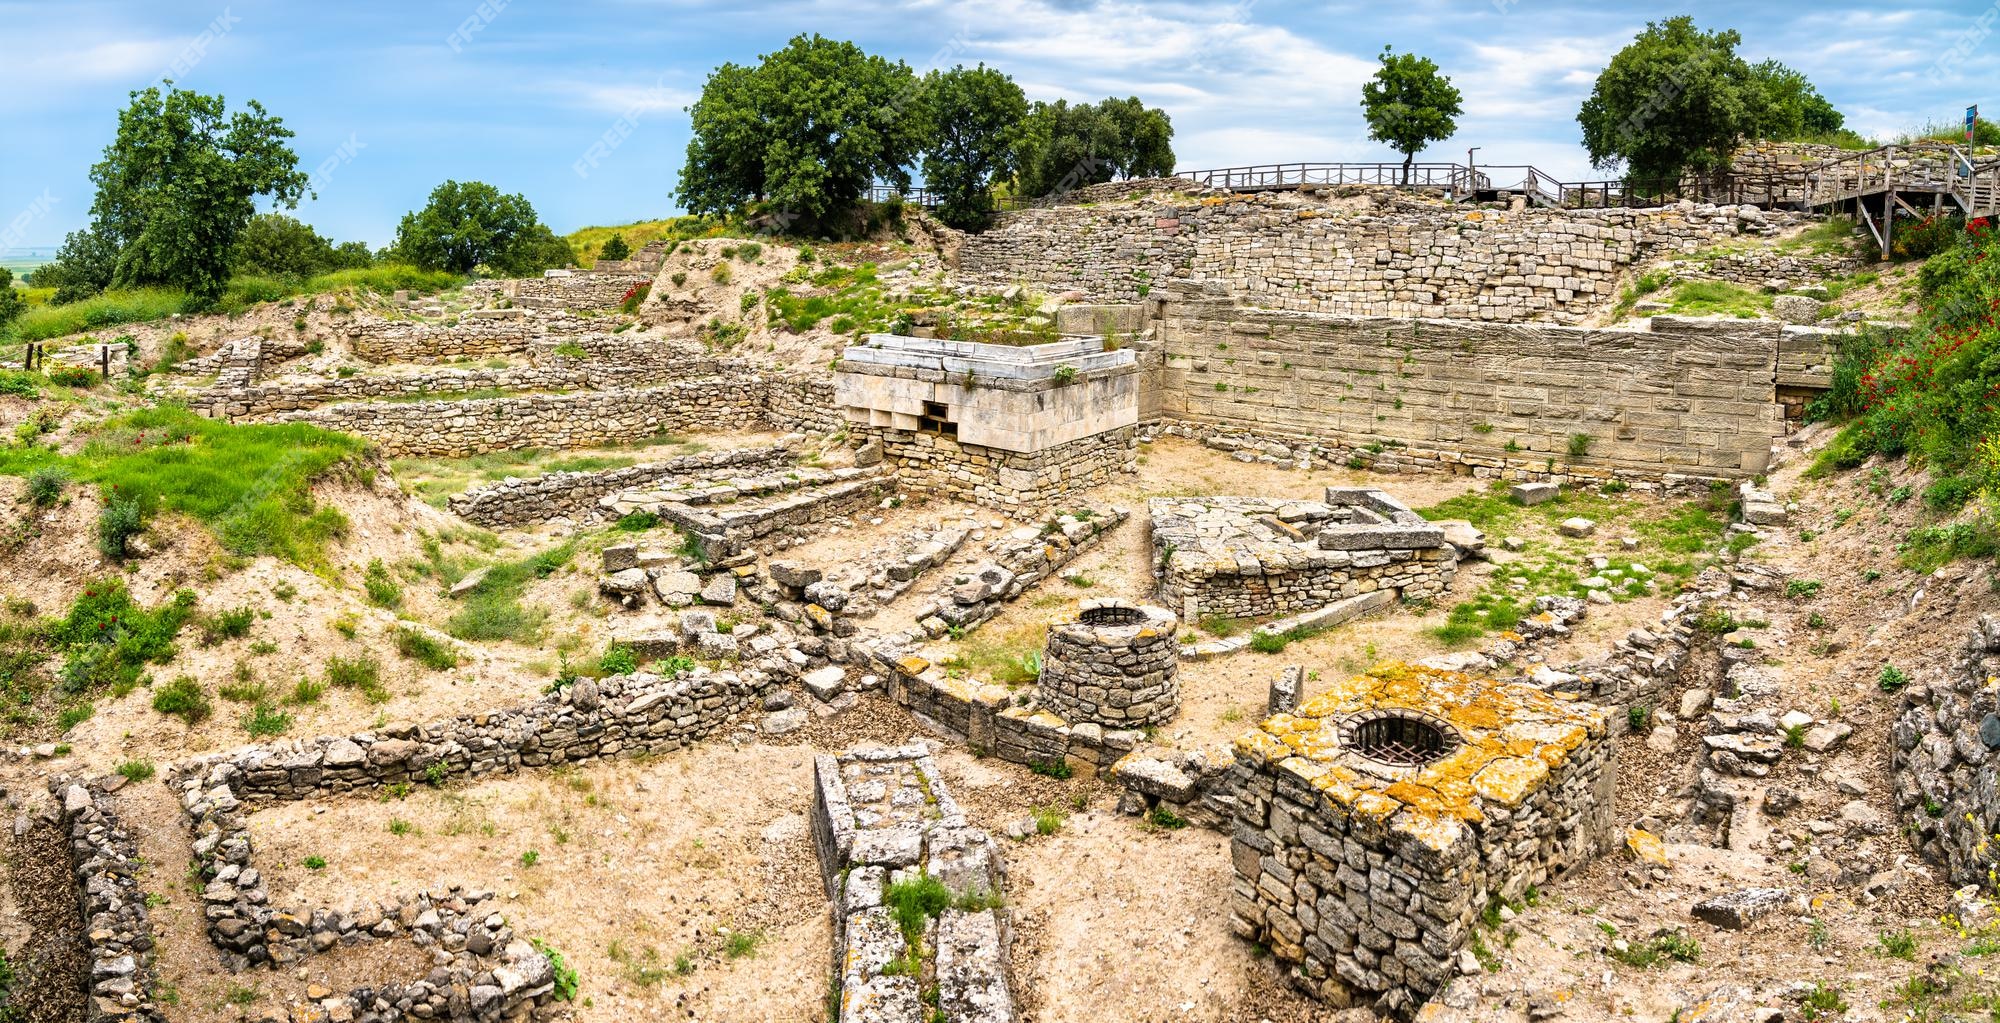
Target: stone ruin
(1113, 663)
(995, 424)
(1376, 821)
(882, 818)
(1250, 557)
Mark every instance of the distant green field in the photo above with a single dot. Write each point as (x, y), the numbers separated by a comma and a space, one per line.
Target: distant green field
(19, 267)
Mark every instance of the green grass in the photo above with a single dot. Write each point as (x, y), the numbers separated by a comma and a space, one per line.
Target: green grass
(1710, 298)
(425, 649)
(135, 305)
(913, 903)
(251, 484)
(183, 698)
(141, 305)
(493, 610)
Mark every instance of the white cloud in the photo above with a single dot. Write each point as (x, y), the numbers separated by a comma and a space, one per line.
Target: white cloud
(128, 60)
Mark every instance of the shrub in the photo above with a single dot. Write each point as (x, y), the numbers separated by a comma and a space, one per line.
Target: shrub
(121, 519)
(425, 649)
(183, 698)
(73, 716)
(1579, 445)
(306, 691)
(618, 660)
(720, 274)
(72, 376)
(565, 974)
(363, 673)
(1892, 678)
(45, 485)
(1949, 494)
(382, 589)
(233, 623)
(314, 862)
(136, 770)
(107, 638)
(266, 720)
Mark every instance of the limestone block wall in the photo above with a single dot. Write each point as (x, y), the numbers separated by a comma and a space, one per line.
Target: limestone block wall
(1246, 557)
(1687, 397)
(557, 494)
(1365, 252)
(1368, 875)
(1944, 759)
(943, 464)
(483, 332)
(584, 419)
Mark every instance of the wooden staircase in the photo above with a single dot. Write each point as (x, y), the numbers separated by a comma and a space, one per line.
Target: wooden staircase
(1921, 179)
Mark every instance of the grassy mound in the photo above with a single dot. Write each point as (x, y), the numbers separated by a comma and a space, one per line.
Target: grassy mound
(141, 305)
(251, 484)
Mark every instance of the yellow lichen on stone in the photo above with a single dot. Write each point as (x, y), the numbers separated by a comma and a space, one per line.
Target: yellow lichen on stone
(1510, 737)
(913, 665)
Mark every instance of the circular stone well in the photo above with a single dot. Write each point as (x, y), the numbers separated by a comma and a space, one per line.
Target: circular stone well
(1399, 738)
(1114, 663)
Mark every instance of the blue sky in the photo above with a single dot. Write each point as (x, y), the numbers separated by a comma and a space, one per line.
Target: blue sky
(388, 99)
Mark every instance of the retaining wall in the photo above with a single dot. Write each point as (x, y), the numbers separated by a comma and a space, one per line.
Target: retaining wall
(1685, 397)
(1365, 252)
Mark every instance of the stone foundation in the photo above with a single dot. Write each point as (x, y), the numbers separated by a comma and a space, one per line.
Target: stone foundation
(883, 817)
(1009, 479)
(575, 494)
(1246, 557)
(104, 858)
(1375, 823)
(1114, 663)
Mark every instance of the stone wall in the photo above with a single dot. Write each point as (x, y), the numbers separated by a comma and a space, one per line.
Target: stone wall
(574, 494)
(1367, 875)
(883, 815)
(1947, 773)
(298, 393)
(1363, 252)
(562, 421)
(1688, 398)
(938, 462)
(1114, 663)
(1246, 557)
(576, 289)
(104, 858)
(477, 333)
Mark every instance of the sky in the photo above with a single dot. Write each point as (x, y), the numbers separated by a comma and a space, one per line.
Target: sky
(581, 105)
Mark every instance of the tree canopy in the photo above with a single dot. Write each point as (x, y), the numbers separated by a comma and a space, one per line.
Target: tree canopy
(281, 246)
(472, 224)
(1409, 105)
(1678, 99)
(975, 117)
(1064, 146)
(808, 130)
(11, 302)
(614, 247)
(178, 183)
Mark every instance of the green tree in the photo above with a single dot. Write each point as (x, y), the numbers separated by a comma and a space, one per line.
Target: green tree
(471, 224)
(1793, 108)
(808, 130)
(281, 246)
(1676, 99)
(534, 252)
(180, 181)
(11, 302)
(351, 256)
(83, 266)
(975, 115)
(615, 248)
(1144, 147)
(1064, 147)
(1408, 105)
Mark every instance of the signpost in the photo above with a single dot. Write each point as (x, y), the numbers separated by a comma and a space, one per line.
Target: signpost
(1971, 122)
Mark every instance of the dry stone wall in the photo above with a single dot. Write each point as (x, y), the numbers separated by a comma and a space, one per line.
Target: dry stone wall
(477, 333)
(576, 289)
(571, 494)
(1946, 767)
(104, 858)
(586, 419)
(1367, 252)
(938, 462)
(1686, 398)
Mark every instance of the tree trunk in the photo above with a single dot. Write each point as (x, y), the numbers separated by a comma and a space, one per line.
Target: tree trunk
(1407, 159)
